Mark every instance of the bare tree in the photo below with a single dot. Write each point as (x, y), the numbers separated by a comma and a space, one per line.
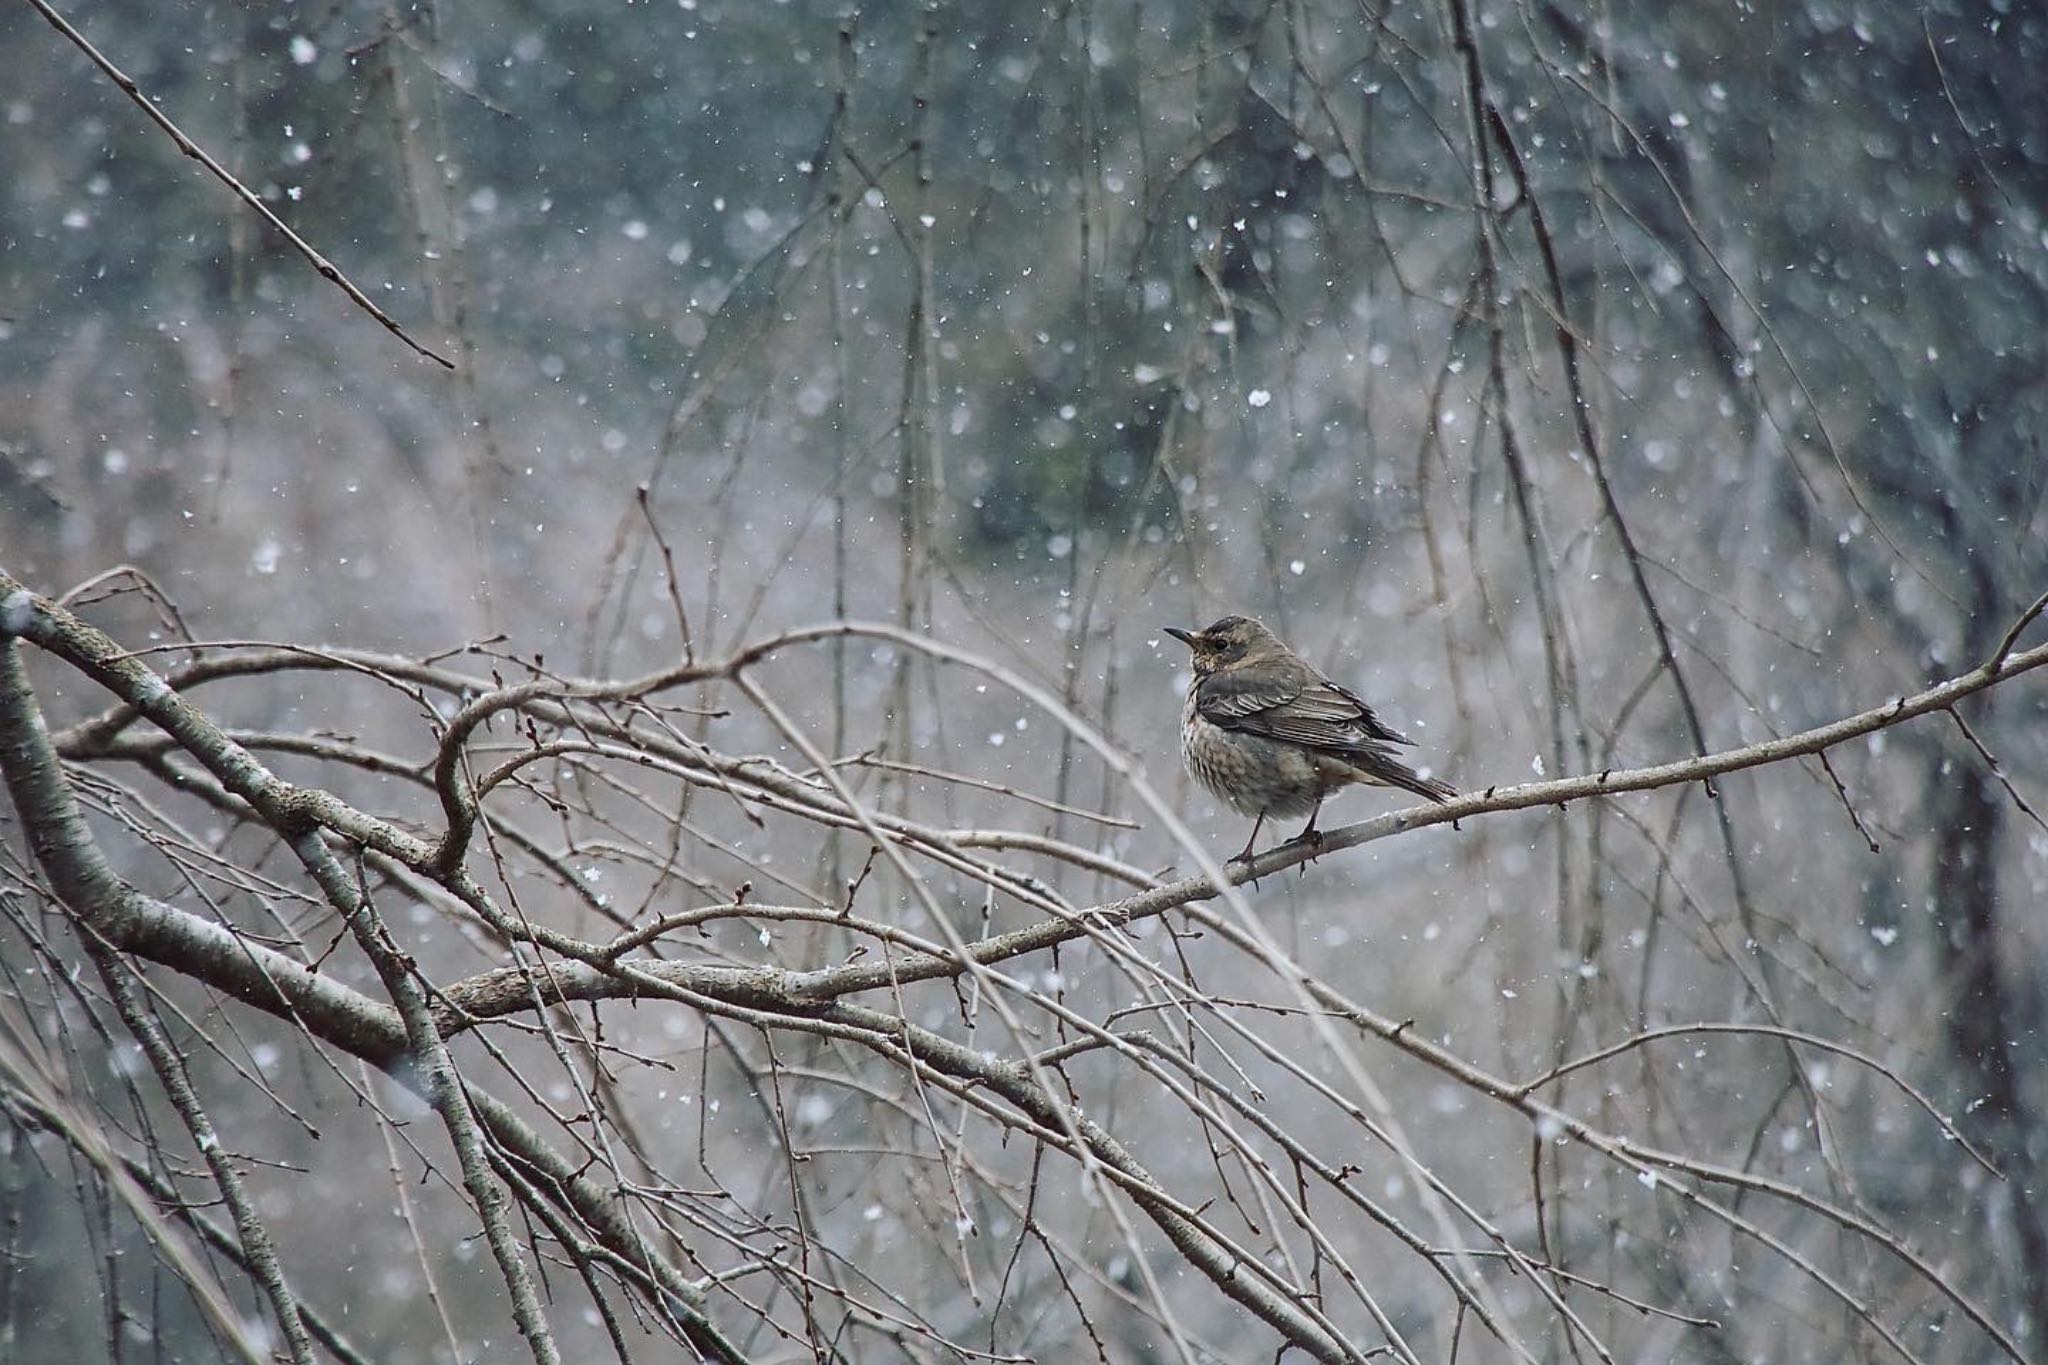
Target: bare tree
(976, 1087)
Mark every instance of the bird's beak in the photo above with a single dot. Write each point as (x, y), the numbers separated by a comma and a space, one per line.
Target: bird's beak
(1186, 637)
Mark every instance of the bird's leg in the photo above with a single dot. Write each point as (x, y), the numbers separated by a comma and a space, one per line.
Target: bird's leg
(1310, 835)
(1244, 855)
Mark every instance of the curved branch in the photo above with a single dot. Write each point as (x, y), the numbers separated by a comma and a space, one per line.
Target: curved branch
(270, 981)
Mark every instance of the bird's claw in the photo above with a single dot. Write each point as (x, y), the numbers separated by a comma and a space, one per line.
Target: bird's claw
(1243, 859)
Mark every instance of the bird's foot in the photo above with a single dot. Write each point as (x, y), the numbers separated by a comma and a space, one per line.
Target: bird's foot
(1310, 839)
(1242, 859)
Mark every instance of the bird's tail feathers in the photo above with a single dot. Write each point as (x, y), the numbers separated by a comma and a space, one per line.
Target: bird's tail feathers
(1391, 772)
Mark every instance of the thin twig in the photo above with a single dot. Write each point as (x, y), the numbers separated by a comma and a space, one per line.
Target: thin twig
(2012, 635)
(1944, 1122)
(324, 267)
(1997, 768)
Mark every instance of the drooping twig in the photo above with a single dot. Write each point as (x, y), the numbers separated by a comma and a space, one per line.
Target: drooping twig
(325, 268)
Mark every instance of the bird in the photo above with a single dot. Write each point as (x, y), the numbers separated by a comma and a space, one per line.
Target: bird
(1271, 736)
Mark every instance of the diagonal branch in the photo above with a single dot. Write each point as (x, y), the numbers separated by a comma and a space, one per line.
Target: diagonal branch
(325, 268)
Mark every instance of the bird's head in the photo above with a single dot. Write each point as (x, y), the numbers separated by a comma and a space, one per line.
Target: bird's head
(1231, 640)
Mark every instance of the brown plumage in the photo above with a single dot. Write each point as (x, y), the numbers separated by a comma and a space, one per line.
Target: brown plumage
(1271, 736)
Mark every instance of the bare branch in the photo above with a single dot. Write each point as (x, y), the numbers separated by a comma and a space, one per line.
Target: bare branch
(321, 265)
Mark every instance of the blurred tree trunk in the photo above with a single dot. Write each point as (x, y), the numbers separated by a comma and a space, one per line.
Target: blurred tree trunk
(1991, 1020)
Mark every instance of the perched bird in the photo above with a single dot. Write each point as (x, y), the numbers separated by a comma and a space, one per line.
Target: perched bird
(1271, 736)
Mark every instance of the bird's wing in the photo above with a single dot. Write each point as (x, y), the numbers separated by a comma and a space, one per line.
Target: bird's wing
(1307, 709)
(1372, 725)
(1303, 709)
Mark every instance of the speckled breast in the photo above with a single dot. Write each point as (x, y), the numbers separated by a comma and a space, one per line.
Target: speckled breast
(1255, 775)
